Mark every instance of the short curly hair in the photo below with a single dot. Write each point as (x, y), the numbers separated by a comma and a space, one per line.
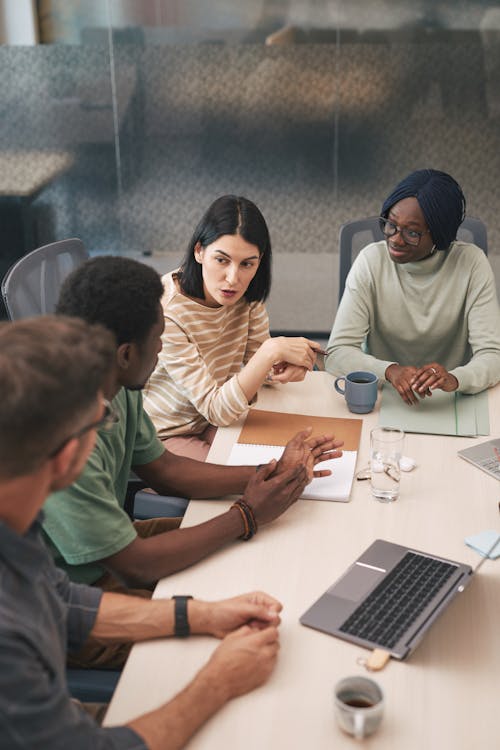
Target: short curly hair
(119, 293)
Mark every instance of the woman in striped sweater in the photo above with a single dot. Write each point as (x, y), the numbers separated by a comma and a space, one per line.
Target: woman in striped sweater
(217, 351)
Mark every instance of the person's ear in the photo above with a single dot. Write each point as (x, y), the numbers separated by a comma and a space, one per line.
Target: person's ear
(123, 356)
(64, 459)
(198, 252)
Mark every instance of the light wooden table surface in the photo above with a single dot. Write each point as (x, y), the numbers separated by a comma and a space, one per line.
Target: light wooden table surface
(444, 696)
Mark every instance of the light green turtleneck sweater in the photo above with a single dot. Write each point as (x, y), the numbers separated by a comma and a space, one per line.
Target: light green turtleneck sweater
(441, 309)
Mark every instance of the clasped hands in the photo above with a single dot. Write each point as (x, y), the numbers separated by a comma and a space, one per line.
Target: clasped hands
(413, 383)
(248, 625)
(295, 356)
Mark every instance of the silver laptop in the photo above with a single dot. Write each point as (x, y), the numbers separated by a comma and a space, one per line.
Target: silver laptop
(388, 598)
(485, 455)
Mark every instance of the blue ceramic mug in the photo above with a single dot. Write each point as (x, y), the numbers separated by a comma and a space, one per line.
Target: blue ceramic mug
(359, 389)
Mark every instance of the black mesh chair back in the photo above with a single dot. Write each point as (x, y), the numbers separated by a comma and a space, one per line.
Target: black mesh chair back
(355, 235)
(31, 286)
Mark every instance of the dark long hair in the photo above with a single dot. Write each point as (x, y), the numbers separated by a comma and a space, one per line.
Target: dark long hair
(230, 214)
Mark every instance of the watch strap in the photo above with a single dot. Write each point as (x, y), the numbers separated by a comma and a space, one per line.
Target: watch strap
(181, 624)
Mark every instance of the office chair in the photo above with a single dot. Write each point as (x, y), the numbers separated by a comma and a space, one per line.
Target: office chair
(355, 235)
(31, 286)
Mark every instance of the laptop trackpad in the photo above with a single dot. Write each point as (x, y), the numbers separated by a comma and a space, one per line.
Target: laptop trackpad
(356, 583)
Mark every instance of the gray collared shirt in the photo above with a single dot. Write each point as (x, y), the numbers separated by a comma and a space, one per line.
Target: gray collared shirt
(42, 616)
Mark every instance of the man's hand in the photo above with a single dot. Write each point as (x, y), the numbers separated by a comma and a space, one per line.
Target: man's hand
(256, 609)
(243, 661)
(309, 451)
(270, 493)
(432, 376)
(402, 378)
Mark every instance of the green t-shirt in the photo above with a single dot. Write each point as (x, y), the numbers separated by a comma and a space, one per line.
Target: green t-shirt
(86, 521)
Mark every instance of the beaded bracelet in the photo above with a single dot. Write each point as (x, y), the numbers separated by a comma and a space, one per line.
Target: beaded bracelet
(249, 522)
(249, 514)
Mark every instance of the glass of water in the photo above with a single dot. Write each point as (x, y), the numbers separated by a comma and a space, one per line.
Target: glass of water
(386, 449)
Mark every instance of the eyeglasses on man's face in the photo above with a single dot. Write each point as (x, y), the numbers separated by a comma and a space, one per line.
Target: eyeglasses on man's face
(108, 419)
(410, 236)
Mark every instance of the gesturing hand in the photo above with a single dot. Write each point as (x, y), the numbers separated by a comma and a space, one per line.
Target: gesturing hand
(302, 449)
(432, 376)
(269, 493)
(256, 609)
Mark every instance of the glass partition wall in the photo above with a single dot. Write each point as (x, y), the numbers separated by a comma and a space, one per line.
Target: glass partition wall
(128, 118)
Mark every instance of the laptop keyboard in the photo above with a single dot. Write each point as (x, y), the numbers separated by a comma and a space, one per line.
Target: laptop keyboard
(398, 600)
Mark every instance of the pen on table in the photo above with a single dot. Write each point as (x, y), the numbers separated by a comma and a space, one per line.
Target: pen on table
(497, 454)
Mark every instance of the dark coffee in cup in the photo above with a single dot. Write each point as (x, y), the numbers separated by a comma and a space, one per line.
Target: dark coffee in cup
(359, 389)
(359, 705)
(357, 701)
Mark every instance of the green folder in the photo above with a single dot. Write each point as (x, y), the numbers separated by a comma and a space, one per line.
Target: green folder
(440, 414)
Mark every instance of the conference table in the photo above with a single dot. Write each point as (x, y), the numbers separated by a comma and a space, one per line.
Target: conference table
(445, 695)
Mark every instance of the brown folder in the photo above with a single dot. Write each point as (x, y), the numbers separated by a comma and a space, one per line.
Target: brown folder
(277, 428)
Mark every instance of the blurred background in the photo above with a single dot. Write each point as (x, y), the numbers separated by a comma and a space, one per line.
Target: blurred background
(122, 120)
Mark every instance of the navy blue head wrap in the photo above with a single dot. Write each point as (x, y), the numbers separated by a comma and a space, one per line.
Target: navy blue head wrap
(441, 199)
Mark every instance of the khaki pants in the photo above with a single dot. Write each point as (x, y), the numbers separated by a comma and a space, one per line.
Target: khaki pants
(99, 655)
(192, 446)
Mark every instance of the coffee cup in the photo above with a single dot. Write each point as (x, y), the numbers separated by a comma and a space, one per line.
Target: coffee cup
(358, 705)
(359, 389)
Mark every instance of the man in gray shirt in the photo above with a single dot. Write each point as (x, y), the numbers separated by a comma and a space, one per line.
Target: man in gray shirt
(52, 371)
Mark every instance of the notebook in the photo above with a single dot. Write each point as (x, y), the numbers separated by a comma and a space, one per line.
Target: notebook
(365, 606)
(265, 433)
(485, 455)
(487, 543)
(439, 414)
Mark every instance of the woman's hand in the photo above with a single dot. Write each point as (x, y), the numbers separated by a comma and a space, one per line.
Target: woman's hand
(411, 382)
(295, 350)
(432, 376)
(402, 378)
(289, 358)
(282, 372)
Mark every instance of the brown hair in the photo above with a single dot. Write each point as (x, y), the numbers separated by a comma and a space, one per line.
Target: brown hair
(51, 369)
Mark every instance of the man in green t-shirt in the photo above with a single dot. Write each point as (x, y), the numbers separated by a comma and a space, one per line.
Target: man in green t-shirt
(85, 525)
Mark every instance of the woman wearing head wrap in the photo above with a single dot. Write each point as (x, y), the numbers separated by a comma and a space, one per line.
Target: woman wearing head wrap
(420, 309)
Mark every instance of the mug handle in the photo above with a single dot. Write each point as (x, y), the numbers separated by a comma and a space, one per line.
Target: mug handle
(337, 386)
(359, 725)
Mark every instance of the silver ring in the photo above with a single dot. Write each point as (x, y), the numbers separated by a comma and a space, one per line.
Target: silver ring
(433, 371)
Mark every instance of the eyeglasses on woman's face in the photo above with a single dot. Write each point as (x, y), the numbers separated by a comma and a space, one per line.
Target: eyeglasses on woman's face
(410, 236)
(108, 419)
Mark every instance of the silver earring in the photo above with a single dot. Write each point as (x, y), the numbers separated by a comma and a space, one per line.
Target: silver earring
(433, 249)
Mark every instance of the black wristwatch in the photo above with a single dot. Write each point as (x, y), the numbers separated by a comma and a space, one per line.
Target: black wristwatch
(181, 629)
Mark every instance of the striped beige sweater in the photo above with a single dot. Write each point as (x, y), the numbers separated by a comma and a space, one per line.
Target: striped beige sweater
(195, 381)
